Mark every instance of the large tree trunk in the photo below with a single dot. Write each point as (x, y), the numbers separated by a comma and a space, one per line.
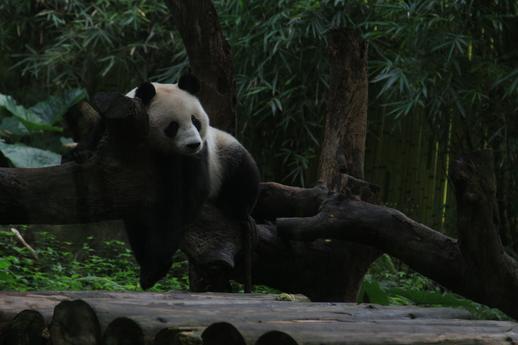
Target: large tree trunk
(210, 58)
(343, 148)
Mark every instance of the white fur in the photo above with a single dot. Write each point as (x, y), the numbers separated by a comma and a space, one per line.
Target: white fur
(174, 104)
(217, 140)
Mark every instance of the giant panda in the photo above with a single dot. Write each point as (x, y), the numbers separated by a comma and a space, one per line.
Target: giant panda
(217, 164)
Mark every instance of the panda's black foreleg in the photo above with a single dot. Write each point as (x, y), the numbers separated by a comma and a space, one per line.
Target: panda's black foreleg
(237, 198)
(249, 235)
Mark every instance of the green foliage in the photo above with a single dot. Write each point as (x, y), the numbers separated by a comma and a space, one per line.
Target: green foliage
(386, 285)
(449, 59)
(281, 86)
(61, 267)
(107, 44)
(19, 124)
(22, 156)
(44, 115)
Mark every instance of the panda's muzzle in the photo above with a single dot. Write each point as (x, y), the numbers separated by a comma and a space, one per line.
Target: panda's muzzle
(193, 146)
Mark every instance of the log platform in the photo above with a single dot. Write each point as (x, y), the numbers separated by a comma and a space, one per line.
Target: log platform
(217, 318)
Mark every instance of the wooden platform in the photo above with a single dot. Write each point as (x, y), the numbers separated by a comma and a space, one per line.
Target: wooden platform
(256, 315)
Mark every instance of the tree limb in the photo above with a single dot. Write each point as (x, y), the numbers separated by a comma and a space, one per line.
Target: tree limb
(476, 266)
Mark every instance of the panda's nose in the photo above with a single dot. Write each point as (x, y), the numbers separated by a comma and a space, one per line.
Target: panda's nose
(193, 146)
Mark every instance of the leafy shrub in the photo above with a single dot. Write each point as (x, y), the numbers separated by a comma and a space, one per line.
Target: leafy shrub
(60, 267)
(386, 285)
(39, 125)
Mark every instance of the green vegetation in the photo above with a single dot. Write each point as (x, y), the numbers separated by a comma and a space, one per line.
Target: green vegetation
(385, 284)
(30, 137)
(65, 266)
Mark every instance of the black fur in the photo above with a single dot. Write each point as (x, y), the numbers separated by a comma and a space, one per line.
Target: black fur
(240, 184)
(189, 83)
(237, 198)
(146, 91)
(155, 234)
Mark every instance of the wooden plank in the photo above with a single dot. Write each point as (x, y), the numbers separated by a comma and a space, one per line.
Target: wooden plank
(254, 315)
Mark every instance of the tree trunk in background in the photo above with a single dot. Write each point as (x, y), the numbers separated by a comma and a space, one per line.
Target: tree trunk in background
(210, 58)
(343, 148)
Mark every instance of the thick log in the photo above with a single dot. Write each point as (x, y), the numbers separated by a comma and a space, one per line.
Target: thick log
(26, 328)
(74, 323)
(222, 333)
(187, 317)
(93, 191)
(424, 249)
(476, 266)
(322, 270)
(123, 331)
(275, 337)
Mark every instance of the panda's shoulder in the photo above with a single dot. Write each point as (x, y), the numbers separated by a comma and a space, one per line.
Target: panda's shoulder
(221, 139)
(161, 88)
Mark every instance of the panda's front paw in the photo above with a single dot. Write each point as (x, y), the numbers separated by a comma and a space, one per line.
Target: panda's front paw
(151, 274)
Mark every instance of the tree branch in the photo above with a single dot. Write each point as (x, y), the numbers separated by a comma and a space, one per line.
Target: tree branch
(476, 267)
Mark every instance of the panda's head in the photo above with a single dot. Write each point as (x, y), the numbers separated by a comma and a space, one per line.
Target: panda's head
(177, 121)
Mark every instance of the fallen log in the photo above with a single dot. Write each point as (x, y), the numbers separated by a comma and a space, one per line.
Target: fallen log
(124, 176)
(184, 318)
(476, 266)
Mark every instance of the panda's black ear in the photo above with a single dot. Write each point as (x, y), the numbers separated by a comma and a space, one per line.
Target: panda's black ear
(189, 83)
(146, 91)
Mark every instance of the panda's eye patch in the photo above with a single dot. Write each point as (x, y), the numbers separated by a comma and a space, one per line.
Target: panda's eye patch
(171, 129)
(196, 122)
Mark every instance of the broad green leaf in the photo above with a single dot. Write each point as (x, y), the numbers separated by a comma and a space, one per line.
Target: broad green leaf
(13, 126)
(22, 156)
(43, 115)
(374, 292)
(52, 110)
(29, 118)
(11, 106)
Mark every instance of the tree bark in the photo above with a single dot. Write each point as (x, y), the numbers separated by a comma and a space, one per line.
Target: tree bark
(210, 58)
(168, 318)
(475, 266)
(103, 188)
(343, 149)
(322, 270)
